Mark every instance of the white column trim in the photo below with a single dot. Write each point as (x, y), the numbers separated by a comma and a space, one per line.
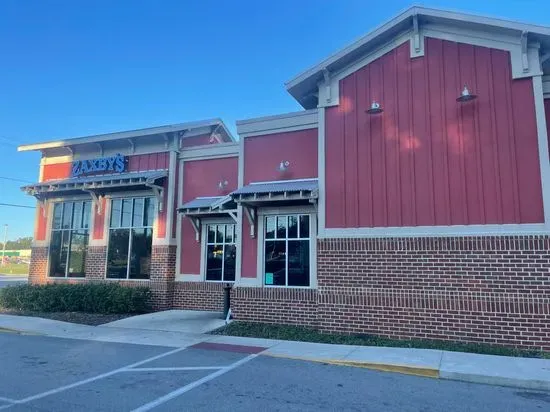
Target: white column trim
(179, 220)
(543, 146)
(321, 163)
(170, 211)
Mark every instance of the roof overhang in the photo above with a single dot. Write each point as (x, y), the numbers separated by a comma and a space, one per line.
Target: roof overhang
(278, 193)
(216, 126)
(98, 185)
(305, 87)
(208, 207)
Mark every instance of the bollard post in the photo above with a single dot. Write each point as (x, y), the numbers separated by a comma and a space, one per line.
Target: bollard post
(226, 299)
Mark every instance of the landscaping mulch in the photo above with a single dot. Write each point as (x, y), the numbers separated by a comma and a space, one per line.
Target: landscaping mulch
(304, 334)
(92, 319)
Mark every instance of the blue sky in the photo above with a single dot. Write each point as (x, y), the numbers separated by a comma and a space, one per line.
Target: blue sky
(72, 68)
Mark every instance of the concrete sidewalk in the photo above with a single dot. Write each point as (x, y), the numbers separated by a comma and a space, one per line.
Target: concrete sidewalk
(494, 370)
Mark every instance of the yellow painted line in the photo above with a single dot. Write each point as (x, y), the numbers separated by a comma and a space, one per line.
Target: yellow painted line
(385, 367)
(18, 332)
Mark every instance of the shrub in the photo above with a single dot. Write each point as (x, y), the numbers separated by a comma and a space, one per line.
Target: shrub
(86, 297)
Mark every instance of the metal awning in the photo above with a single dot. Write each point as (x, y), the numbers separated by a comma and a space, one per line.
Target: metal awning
(202, 207)
(285, 192)
(97, 186)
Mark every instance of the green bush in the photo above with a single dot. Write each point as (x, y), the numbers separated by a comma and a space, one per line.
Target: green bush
(86, 297)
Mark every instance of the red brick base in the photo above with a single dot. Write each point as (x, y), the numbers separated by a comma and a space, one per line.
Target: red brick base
(39, 265)
(198, 296)
(477, 289)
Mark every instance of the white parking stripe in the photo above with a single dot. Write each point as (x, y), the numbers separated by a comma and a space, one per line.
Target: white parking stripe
(2, 399)
(182, 368)
(92, 379)
(193, 385)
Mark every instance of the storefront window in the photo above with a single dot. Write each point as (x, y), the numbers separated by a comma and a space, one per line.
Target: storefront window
(220, 253)
(130, 238)
(287, 250)
(69, 240)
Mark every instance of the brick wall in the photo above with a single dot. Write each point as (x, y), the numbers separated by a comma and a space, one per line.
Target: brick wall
(478, 289)
(198, 296)
(39, 265)
(275, 305)
(96, 261)
(162, 276)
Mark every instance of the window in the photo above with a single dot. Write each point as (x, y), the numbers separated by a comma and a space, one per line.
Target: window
(69, 240)
(287, 250)
(130, 238)
(220, 252)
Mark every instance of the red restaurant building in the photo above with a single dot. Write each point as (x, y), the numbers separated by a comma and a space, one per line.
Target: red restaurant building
(410, 198)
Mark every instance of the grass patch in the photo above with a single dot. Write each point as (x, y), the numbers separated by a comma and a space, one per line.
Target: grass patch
(14, 269)
(303, 334)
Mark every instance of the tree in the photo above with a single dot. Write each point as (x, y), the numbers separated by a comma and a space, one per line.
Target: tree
(21, 243)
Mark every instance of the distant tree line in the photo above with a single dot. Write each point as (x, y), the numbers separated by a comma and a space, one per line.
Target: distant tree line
(21, 243)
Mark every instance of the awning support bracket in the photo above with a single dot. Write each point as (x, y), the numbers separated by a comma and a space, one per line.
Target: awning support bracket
(97, 200)
(196, 222)
(158, 192)
(233, 216)
(251, 215)
(43, 203)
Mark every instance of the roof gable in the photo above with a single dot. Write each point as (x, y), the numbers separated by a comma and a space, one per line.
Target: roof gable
(315, 86)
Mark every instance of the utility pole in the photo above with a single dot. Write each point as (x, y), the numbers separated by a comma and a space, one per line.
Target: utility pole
(5, 241)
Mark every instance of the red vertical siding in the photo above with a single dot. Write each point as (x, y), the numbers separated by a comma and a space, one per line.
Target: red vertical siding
(428, 160)
(249, 252)
(41, 224)
(264, 153)
(99, 221)
(200, 178)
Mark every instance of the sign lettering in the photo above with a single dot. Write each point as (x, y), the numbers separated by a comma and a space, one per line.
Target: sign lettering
(116, 163)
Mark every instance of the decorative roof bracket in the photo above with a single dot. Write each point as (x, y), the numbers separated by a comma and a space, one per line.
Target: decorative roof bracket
(326, 76)
(524, 57)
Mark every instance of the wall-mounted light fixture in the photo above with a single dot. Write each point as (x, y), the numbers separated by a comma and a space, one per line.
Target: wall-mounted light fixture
(222, 184)
(283, 166)
(466, 96)
(375, 108)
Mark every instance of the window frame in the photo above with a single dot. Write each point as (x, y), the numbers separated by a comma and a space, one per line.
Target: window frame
(223, 244)
(286, 211)
(51, 229)
(130, 228)
(204, 247)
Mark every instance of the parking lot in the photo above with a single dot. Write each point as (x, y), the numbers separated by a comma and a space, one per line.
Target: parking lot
(11, 280)
(41, 373)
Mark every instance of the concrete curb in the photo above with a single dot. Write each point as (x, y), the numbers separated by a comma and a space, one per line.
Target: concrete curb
(384, 367)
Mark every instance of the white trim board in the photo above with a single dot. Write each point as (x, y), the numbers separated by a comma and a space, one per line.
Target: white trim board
(437, 231)
(210, 151)
(287, 122)
(542, 145)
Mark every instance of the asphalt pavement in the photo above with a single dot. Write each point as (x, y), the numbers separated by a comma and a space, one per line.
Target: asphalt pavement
(7, 280)
(42, 373)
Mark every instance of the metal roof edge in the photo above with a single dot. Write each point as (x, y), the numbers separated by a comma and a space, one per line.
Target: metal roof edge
(126, 135)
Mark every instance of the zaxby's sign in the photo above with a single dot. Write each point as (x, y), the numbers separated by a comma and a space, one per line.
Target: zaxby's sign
(116, 164)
